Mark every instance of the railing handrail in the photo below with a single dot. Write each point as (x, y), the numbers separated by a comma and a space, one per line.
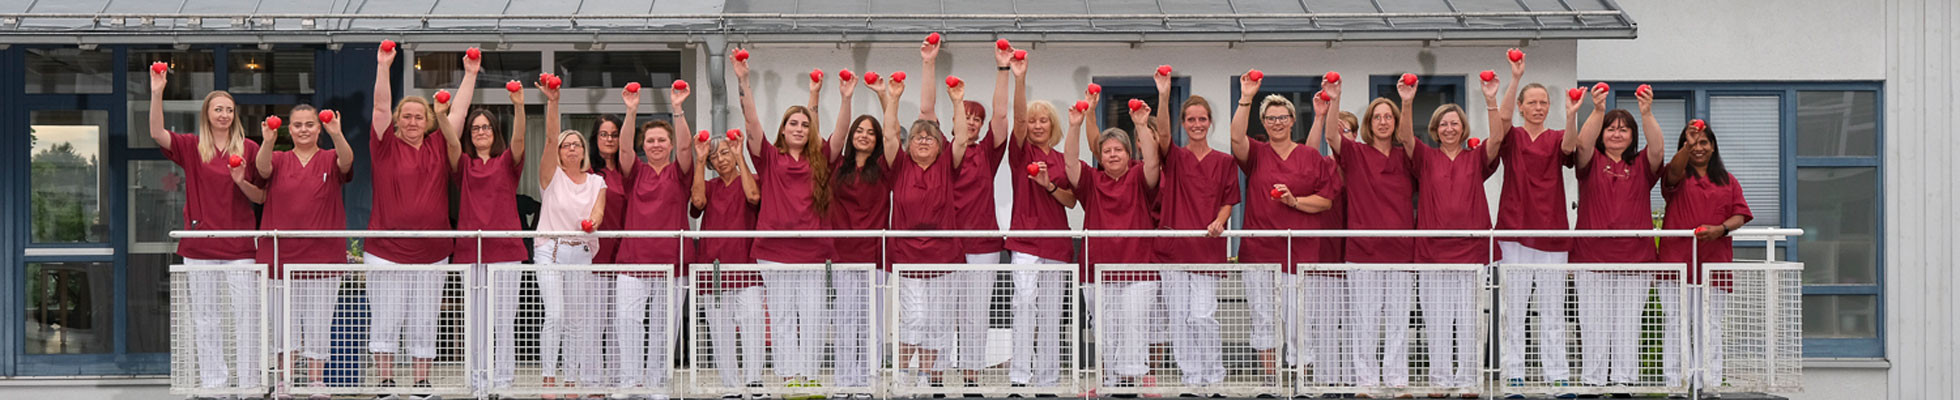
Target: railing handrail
(1739, 234)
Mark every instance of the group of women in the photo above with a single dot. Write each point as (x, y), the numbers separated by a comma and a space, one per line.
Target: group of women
(875, 172)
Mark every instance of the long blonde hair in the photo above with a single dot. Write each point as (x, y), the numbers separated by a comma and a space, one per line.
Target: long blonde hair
(1056, 122)
(1436, 121)
(205, 147)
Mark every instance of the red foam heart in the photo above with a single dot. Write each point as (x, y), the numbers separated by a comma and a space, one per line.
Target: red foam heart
(1409, 79)
(473, 53)
(1256, 75)
(1326, 97)
(1003, 44)
(1081, 105)
(871, 78)
(703, 136)
(326, 116)
(159, 67)
(734, 134)
(741, 55)
(442, 96)
(1276, 193)
(846, 75)
(1136, 104)
(586, 225)
(1644, 89)
(680, 84)
(634, 87)
(1701, 230)
(952, 81)
(898, 76)
(1575, 93)
(1488, 75)
(555, 81)
(387, 46)
(1020, 55)
(932, 38)
(1474, 142)
(1332, 77)
(1034, 169)
(1516, 55)
(236, 161)
(1698, 124)
(513, 86)
(1164, 70)
(1095, 88)
(816, 75)
(273, 122)
(1602, 87)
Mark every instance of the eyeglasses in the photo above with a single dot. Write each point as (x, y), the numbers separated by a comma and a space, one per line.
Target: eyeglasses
(484, 128)
(1278, 118)
(569, 144)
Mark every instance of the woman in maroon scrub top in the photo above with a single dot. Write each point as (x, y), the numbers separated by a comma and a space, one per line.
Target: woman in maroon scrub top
(605, 162)
(1450, 189)
(1041, 200)
(1200, 187)
(411, 192)
(1116, 197)
(486, 171)
(734, 299)
(657, 196)
(1616, 180)
(922, 191)
(794, 174)
(1701, 195)
(302, 192)
(1306, 185)
(217, 197)
(861, 200)
(1380, 186)
(1533, 197)
(978, 156)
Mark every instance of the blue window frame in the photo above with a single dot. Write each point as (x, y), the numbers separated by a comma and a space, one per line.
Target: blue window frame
(1828, 135)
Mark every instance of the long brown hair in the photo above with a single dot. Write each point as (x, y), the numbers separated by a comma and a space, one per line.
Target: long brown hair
(870, 171)
(205, 147)
(497, 141)
(1367, 133)
(813, 152)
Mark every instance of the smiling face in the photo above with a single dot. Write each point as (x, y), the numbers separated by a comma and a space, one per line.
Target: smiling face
(1618, 136)
(1197, 122)
(220, 112)
(1449, 128)
(482, 134)
(1699, 147)
(864, 135)
(304, 126)
(1534, 103)
(923, 145)
(1278, 122)
(796, 130)
(1114, 154)
(1381, 122)
(1041, 127)
(608, 141)
(658, 143)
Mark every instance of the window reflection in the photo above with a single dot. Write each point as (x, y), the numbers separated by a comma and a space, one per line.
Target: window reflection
(68, 308)
(67, 195)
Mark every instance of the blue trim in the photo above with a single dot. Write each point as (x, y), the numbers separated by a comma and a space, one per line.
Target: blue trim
(1827, 162)
(12, 77)
(1840, 290)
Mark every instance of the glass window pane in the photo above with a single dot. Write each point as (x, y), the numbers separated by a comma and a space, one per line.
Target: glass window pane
(1837, 123)
(156, 204)
(149, 302)
(1749, 136)
(444, 69)
(251, 114)
(70, 71)
(192, 77)
(66, 179)
(1838, 209)
(1429, 96)
(612, 69)
(68, 308)
(1672, 114)
(1753, 251)
(1840, 317)
(284, 72)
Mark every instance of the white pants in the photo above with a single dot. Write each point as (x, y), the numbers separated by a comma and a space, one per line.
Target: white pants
(1544, 292)
(733, 313)
(1273, 295)
(214, 294)
(856, 349)
(1037, 325)
(1385, 298)
(404, 304)
(796, 320)
(311, 311)
(965, 300)
(1322, 337)
(573, 323)
(1191, 301)
(1674, 346)
(983, 258)
(915, 312)
(1447, 299)
(1609, 325)
(495, 370)
(1127, 328)
(640, 327)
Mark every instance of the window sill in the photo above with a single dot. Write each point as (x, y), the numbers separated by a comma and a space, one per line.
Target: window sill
(1847, 363)
(33, 381)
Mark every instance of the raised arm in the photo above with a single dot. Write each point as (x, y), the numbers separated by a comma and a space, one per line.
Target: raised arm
(1153, 164)
(1242, 117)
(517, 129)
(263, 161)
(816, 121)
(1500, 123)
(253, 192)
(1677, 166)
(1405, 132)
(997, 128)
(889, 102)
(1020, 69)
(450, 134)
(343, 151)
(1570, 142)
(1589, 135)
(750, 190)
(1072, 146)
(1507, 109)
(383, 96)
(629, 142)
(158, 80)
(698, 196)
(1331, 133)
(683, 155)
(461, 109)
(961, 134)
(928, 66)
(1163, 138)
(1651, 128)
(549, 161)
(750, 121)
(1317, 131)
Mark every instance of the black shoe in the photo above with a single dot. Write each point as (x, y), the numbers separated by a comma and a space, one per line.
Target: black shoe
(423, 384)
(937, 393)
(1045, 396)
(1266, 396)
(1189, 395)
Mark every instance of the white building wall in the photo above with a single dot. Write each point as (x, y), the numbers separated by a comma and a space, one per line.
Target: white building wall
(1922, 309)
(1743, 40)
(1058, 73)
